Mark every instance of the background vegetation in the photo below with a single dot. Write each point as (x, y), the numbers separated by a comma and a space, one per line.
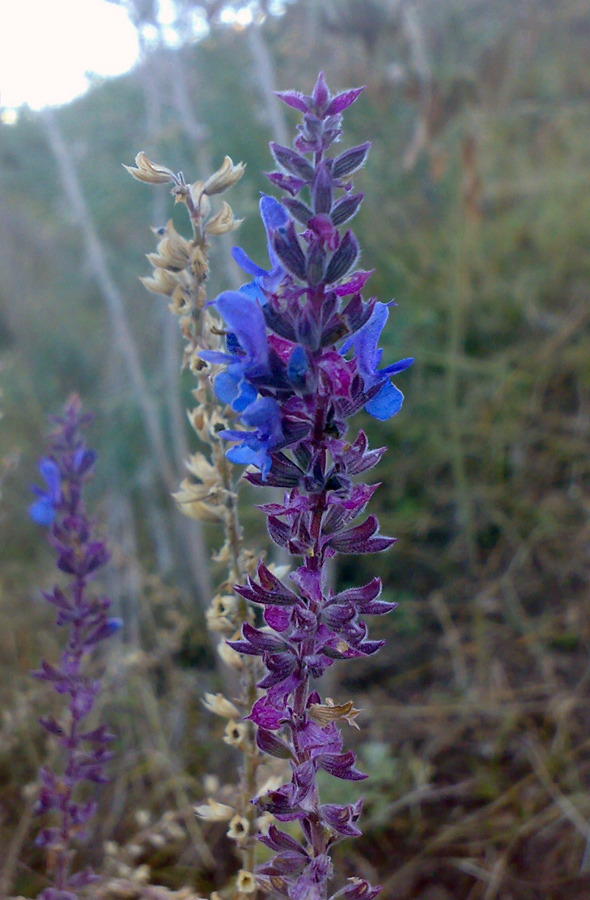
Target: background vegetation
(477, 220)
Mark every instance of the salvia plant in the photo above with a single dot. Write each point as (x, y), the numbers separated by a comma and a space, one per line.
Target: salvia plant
(84, 614)
(294, 355)
(301, 358)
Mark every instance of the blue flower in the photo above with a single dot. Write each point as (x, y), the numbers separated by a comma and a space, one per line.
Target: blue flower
(42, 511)
(247, 345)
(275, 217)
(264, 417)
(388, 401)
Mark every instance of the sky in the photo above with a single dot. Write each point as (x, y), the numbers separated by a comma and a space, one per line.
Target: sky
(47, 46)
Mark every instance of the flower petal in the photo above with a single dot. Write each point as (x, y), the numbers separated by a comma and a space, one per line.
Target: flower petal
(245, 317)
(386, 403)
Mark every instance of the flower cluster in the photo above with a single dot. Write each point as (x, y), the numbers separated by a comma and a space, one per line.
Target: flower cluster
(60, 507)
(301, 357)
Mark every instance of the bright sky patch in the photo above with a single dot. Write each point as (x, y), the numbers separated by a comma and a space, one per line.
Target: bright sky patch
(47, 46)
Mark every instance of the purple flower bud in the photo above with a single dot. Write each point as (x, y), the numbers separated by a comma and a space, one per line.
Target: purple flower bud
(359, 889)
(346, 208)
(280, 532)
(277, 803)
(269, 589)
(289, 252)
(351, 160)
(320, 94)
(286, 863)
(293, 99)
(48, 672)
(342, 818)
(316, 263)
(298, 210)
(263, 640)
(322, 190)
(288, 183)
(338, 614)
(272, 745)
(302, 782)
(84, 460)
(342, 101)
(283, 473)
(342, 766)
(100, 735)
(58, 598)
(343, 259)
(292, 162)
(361, 539)
(279, 841)
(354, 285)
(51, 725)
(103, 630)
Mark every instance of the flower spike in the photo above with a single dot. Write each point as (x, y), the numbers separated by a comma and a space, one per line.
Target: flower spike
(302, 357)
(61, 509)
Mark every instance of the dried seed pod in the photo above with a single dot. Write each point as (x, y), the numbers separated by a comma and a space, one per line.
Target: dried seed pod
(246, 882)
(221, 706)
(191, 501)
(230, 657)
(226, 176)
(323, 714)
(149, 172)
(239, 828)
(223, 222)
(173, 251)
(202, 469)
(235, 733)
(162, 282)
(214, 811)
(220, 614)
